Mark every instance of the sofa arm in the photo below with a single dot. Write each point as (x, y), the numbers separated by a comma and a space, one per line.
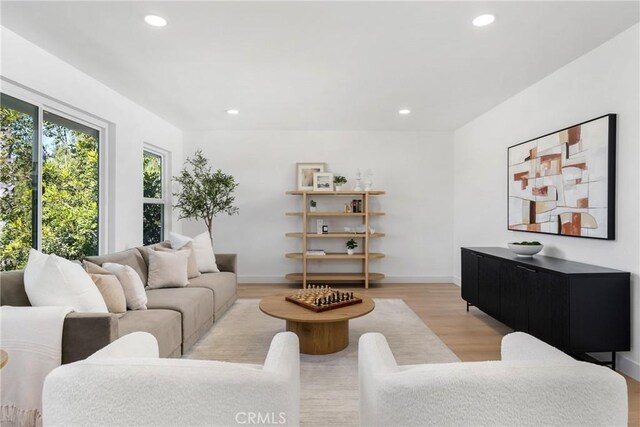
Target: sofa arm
(227, 262)
(521, 346)
(85, 333)
(135, 344)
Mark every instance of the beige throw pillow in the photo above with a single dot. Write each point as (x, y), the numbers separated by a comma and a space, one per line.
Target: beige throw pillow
(93, 268)
(131, 284)
(112, 292)
(168, 269)
(192, 264)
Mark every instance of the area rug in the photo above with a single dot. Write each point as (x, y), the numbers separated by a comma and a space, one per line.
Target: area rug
(329, 383)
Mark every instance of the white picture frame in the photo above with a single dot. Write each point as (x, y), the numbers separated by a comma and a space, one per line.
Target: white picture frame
(323, 181)
(304, 174)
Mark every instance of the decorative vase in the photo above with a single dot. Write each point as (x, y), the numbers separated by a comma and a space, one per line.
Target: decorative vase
(338, 187)
(350, 251)
(312, 209)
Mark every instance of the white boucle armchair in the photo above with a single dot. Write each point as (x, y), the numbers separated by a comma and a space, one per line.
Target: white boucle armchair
(126, 384)
(533, 385)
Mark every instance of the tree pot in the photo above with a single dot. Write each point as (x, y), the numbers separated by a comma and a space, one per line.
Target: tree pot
(350, 251)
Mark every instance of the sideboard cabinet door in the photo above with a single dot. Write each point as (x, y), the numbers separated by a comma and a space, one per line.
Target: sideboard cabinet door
(489, 286)
(548, 309)
(515, 282)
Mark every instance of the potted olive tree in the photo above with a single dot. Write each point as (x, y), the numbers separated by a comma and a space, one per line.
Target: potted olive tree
(351, 245)
(312, 205)
(204, 193)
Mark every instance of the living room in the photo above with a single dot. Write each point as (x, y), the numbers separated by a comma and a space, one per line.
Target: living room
(420, 106)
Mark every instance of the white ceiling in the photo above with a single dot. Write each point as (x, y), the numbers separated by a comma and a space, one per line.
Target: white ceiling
(318, 65)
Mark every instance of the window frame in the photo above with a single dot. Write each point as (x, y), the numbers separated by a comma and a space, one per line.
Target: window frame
(42, 103)
(165, 186)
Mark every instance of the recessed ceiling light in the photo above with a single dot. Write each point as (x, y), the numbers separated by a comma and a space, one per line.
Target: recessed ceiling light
(483, 20)
(404, 111)
(155, 20)
(234, 112)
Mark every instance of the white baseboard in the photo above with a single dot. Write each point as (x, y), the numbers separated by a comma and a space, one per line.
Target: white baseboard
(624, 364)
(388, 279)
(457, 280)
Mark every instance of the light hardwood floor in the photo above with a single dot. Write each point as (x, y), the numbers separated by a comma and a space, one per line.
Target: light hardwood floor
(473, 336)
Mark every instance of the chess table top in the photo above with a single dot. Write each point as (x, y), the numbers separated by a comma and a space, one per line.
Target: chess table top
(277, 306)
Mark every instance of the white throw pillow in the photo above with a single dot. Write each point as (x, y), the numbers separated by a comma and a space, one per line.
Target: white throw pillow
(168, 269)
(202, 247)
(131, 284)
(51, 280)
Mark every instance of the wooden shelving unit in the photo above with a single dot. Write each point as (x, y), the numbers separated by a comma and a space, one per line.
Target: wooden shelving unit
(363, 257)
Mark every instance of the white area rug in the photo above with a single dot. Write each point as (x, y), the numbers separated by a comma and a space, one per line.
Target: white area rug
(329, 383)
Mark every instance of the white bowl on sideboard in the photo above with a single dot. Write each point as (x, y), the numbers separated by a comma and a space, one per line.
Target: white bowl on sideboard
(525, 251)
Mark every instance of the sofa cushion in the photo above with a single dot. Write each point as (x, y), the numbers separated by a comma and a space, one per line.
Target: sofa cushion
(12, 289)
(130, 257)
(194, 304)
(222, 284)
(165, 325)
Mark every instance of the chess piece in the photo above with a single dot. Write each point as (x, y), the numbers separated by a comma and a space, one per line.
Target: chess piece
(351, 295)
(368, 180)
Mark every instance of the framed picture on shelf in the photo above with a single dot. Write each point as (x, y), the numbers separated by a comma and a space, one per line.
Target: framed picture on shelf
(323, 181)
(304, 174)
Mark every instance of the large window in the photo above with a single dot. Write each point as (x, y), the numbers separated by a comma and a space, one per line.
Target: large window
(154, 197)
(49, 184)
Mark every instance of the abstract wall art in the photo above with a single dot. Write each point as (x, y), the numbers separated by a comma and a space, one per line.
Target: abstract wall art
(564, 182)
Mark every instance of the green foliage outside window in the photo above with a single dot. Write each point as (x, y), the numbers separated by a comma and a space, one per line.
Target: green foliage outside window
(69, 189)
(16, 154)
(153, 213)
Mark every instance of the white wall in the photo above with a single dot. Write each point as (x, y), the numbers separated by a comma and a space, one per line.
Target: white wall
(603, 81)
(414, 168)
(130, 127)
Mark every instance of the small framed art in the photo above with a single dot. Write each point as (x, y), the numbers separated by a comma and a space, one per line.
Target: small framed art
(304, 174)
(323, 181)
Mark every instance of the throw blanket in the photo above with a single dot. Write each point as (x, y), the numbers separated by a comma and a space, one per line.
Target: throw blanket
(32, 337)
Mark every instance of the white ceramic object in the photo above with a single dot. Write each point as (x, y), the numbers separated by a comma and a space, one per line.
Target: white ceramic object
(338, 188)
(525, 251)
(350, 251)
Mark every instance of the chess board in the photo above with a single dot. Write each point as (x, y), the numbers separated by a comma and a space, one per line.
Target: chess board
(320, 298)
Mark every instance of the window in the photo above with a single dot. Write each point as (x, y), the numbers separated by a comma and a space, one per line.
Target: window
(49, 184)
(154, 206)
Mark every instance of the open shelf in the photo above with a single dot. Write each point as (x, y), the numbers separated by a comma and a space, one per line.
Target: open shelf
(359, 214)
(336, 256)
(335, 193)
(335, 277)
(332, 235)
(363, 258)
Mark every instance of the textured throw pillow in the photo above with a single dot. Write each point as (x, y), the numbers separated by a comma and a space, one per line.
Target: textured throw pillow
(131, 284)
(112, 292)
(202, 247)
(192, 264)
(168, 269)
(51, 280)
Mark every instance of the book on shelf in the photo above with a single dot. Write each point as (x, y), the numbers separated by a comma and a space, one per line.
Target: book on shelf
(316, 252)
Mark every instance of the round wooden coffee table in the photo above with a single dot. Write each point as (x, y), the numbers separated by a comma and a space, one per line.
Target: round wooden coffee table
(319, 333)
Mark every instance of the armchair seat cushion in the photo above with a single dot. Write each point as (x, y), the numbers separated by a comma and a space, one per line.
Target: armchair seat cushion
(222, 284)
(165, 325)
(194, 304)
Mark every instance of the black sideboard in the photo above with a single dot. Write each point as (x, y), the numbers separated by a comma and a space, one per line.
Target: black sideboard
(578, 308)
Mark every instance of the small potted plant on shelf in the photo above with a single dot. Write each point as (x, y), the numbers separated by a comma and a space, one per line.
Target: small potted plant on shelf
(312, 205)
(351, 245)
(339, 181)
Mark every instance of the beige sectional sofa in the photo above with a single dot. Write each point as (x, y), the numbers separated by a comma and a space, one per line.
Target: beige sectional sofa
(177, 317)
